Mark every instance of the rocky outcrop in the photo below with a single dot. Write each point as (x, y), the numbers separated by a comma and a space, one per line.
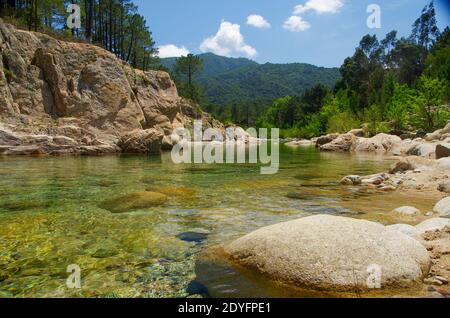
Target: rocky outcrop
(323, 140)
(435, 145)
(332, 253)
(341, 143)
(442, 208)
(381, 143)
(59, 97)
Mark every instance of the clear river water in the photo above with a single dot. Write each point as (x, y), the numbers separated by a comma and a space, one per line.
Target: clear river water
(51, 216)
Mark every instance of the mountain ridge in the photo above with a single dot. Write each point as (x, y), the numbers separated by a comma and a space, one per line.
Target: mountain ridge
(235, 80)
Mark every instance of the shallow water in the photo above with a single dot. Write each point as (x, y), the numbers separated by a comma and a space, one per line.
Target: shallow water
(50, 217)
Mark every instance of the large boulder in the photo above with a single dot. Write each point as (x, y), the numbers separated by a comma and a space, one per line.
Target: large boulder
(412, 163)
(440, 134)
(442, 150)
(381, 143)
(404, 228)
(431, 225)
(142, 141)
(323, 140)
(442, 208)
(332, 253)
(341, 143)
(444, 164)
(426, 150)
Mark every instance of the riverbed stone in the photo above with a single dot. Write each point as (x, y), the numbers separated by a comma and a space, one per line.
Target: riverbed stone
(444, 187)
(442, 151)
(351, 180)
(407, 210)
(444, 163)
(404, 228)
(331, 253)
(434, 224)
(442, 208)
(134, 201)
(426, 150)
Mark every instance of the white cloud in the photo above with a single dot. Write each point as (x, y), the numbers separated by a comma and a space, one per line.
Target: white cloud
(228, 41)
(319, 6)
(258, 21)
(170, 50)
(296, 24)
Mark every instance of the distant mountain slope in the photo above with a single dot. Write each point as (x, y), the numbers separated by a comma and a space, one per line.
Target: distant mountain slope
(213, 65)
(231, 80)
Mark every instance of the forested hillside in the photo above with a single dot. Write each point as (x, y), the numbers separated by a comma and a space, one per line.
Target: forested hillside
(239, 89)
(390, 85)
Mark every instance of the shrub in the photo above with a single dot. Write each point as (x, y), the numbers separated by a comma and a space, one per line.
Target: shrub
(342, 122)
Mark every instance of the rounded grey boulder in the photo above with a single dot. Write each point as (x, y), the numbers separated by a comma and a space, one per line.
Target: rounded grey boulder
(430, 225)
(442, 208)
(404, 228)
(329, 253)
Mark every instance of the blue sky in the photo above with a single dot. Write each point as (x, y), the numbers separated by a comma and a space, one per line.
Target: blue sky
(320, 32)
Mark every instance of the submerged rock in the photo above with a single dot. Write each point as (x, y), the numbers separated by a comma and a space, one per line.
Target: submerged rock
(442, 208)
(173, 191)
(332, 253)
(25, 205)
(105, 252)
(407, 210)
(192, 237)
(297, 196)
(134, 201)
(197, 288)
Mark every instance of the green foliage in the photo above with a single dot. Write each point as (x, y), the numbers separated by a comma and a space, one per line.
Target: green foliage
(185, 69)
(251, 87)
(401, 107)
(429, 103)
(342, 122)
(392, 84)
(112, 24)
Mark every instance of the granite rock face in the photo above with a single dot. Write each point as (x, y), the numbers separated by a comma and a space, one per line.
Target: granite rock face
(62, 97)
